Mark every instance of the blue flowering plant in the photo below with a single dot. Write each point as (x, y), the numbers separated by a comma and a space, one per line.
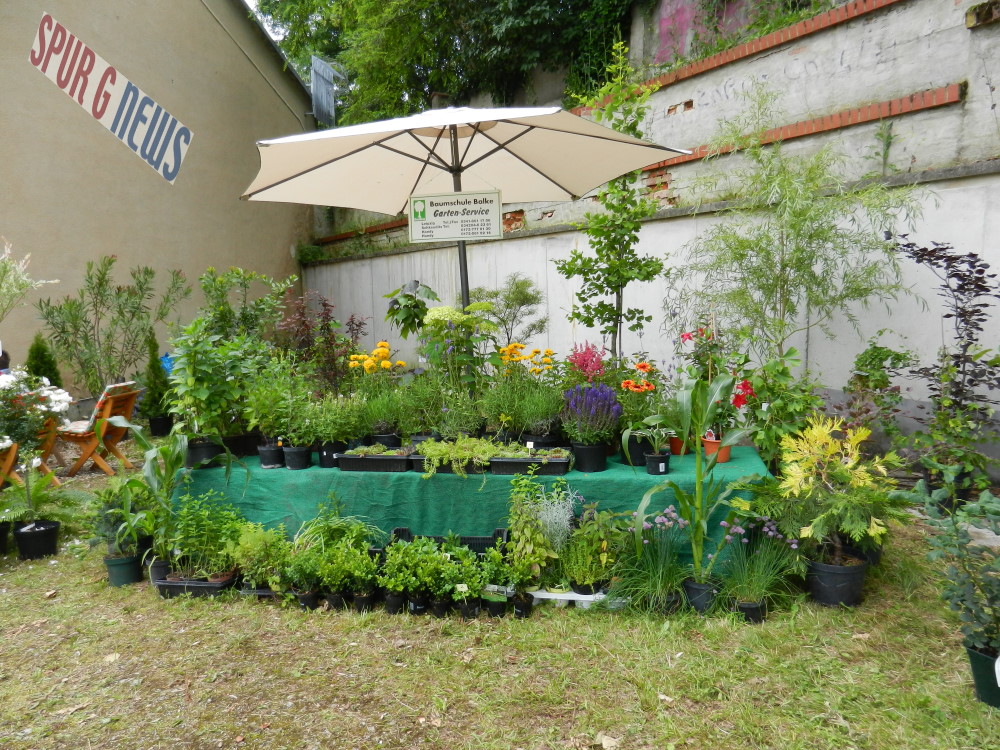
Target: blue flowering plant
(591, 413)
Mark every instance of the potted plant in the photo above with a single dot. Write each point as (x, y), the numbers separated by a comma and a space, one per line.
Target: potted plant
(209, 382)
(396, 576)
(206, 528)
(829, 497)
(697, 507)
(517, 459)
(339, 420)
(459, 416)
(655, 432)
(154, 406)
(260, 555)
(649, 575)
(637, 394)
(382, 418)
(421, 399)
(461, 456)
(361, 570)
(425, 563)
(971, 582)
(36, 508)
(590, 419)
(334, 574)
(117, 524)
(496, 582)
(754, 573)
(303, 573)
(375, 457)
(467, 583)
(269, 403)
(528, 548)
(589, 554)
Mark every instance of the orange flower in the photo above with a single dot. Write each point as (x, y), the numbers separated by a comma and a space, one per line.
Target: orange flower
(628, 385)
(648, 386)
(643, 367)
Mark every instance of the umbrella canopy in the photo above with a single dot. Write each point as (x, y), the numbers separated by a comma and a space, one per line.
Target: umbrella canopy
(528, 154)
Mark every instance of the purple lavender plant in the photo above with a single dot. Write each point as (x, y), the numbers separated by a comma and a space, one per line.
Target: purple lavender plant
(591, 413)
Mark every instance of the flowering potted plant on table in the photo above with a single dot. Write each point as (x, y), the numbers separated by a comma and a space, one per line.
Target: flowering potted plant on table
(731, 414)
(590, 418)
(637, 395)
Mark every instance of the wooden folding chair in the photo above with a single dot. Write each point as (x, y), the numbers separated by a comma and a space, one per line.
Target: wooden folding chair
(96, 436)
(46, 446)
(7, 459)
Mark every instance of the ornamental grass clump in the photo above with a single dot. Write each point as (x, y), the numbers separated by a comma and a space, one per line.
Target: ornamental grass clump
(591, 413)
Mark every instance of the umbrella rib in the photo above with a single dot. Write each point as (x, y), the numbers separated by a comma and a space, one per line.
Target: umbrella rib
(501, 146)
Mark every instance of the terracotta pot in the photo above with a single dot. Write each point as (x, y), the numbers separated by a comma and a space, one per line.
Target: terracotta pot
(677, 447)
(713, 447)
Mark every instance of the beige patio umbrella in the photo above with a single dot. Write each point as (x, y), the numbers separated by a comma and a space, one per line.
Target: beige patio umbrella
(528, 154)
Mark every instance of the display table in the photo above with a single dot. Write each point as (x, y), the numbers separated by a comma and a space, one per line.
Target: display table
(471, 506)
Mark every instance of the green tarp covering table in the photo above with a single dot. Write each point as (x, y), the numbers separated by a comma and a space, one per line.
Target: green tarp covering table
(472, 506)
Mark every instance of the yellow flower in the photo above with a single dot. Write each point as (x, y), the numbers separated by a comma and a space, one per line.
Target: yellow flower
(386, 364)
(382, 344)
(354, 364)
(548, 367)
(535, 352)
(546, 360)
(369, 365)
(549, 352)
(381, 352)
(535, 370)
(400, 363)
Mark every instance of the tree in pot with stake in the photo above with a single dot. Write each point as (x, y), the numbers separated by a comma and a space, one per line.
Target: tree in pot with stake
(971, 582)
(698, 403)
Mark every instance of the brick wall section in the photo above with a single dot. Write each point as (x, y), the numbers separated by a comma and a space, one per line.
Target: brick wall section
(939, 97)
(383, 227)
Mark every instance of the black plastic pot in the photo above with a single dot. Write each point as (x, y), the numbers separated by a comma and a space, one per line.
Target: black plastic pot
(591, 458)
(671, 603)
(587, 589)
(201, 451)
(298, 457)
(984, 677)
(469, 609)
(36, 540)
(440, 607)
(701, 596)
(753, 612)
(539, 441)
(328, 454)
(364, 602)
(523, 604)
(657, 464)
(373, 463)
(4, 537)
(308, 599)
(337, 601)
(418, 604)
(158, 570)
(389, 440)
(271, 456)
(196, 588)
(242, 445)
(496, 608)
(160, 426)
(544, 467)
(636, 449)
(395, 604)
(123, 570)
(836, 585)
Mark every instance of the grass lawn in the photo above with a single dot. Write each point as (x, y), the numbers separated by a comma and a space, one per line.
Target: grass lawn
(83, 665)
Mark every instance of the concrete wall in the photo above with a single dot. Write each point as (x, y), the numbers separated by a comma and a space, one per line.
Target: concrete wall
(70, 191)
(911, 62)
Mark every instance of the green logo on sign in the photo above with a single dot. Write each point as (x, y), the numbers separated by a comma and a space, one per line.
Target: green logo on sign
(419, 211)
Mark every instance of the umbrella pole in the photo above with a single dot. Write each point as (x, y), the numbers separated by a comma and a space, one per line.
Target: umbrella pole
(456, 179)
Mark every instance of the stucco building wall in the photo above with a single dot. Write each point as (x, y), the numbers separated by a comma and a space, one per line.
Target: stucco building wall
(70, 191)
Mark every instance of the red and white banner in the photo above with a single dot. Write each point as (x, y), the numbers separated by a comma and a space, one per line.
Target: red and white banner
(132, 116)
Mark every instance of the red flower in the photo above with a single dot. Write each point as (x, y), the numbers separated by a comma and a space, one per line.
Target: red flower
(687, 336)
(628, 384)
(739, 400)
(644, 367)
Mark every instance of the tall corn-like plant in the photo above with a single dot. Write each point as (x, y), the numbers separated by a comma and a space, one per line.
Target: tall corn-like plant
(698, 402)
(101, 333)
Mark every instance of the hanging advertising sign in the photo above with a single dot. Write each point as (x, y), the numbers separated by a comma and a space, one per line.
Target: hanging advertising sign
(455, 216)
(132, 116)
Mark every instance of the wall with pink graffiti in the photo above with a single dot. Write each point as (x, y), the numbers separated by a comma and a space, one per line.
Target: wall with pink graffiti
(678, 23)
